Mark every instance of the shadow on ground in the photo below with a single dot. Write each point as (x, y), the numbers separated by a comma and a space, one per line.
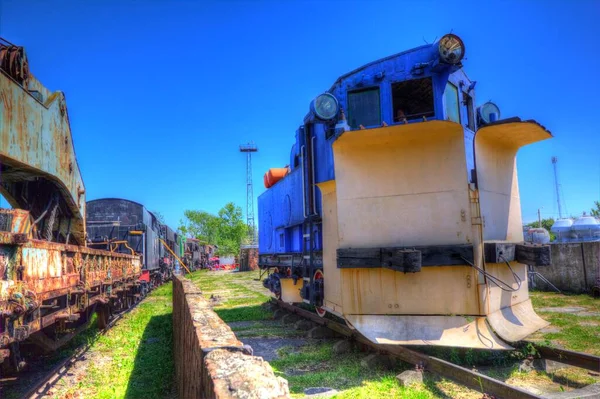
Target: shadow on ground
(154, 361)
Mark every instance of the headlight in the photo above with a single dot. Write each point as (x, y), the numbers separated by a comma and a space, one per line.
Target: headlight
(488, 112)
(325, 106)
(451, 48)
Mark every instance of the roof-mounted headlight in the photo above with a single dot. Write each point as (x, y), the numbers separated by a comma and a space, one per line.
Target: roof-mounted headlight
(451, 49)
(325, 106)
(488, 113)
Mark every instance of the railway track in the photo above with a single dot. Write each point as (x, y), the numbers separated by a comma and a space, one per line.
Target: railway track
(42, 387)
(490, 387)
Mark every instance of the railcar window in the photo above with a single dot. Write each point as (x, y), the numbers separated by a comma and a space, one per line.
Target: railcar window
(468, 101)
(412, 99)
(451, 97)
(364, 108)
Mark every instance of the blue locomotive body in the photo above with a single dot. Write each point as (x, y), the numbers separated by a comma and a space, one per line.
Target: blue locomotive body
(385, 195)
(413, 86)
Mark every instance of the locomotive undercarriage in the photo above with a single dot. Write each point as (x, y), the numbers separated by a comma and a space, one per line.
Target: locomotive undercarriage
(292, 278)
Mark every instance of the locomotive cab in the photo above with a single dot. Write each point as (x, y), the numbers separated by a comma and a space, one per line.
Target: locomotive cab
(400, 210)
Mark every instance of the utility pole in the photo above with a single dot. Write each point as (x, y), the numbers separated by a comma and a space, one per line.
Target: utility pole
(539, 217)
(249, 149)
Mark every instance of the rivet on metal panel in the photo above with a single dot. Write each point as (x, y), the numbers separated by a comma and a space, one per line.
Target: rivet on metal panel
(468, 281)
(463, 215)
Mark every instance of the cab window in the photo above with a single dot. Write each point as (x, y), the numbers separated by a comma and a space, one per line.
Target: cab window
(451, 98)
(364, 108)
(412, 99)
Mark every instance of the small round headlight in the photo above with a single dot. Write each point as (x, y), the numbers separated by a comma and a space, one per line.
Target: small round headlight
(325, 106)
(451, 48)
(488, 112)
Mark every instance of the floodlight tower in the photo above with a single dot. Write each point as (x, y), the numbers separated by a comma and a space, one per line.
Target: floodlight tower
(249, 149)
(554, 162)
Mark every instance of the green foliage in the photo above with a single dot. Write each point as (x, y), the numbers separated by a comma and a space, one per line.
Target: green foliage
(226, 229)
(546, 223)
(596, 211)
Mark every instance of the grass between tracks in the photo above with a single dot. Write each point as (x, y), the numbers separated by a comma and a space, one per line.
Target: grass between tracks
(132, 360)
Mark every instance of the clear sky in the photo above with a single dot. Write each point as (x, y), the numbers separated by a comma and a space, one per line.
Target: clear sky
(162, 93)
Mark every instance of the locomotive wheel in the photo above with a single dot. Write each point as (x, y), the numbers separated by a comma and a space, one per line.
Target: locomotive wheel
(320, 310)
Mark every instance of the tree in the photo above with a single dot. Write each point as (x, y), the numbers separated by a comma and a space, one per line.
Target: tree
(231, 230)
(546, 223)
(201, 225)
(596, 211)
(226, 229)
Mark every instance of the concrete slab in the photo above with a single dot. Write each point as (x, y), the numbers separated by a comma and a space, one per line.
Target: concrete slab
(589, 314)
(548, 330)
(562, 309)
(267, 347)
(591, 391)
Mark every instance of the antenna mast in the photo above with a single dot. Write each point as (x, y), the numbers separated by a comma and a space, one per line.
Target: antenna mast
(554, 162)
(249, 149)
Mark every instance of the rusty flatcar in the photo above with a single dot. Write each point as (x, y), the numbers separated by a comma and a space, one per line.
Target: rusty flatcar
(50, 279)
(399, 210)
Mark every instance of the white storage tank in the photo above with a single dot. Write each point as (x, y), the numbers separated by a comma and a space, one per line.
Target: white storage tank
(562, 229)
(586, 228)
(537, 235)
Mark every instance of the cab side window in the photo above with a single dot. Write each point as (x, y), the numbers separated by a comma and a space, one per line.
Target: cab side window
(364, 108)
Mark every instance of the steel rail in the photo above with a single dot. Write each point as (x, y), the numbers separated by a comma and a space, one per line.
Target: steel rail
(464, 376)
(572, 358)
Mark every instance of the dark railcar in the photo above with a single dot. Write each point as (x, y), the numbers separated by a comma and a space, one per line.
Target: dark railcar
(126, 225)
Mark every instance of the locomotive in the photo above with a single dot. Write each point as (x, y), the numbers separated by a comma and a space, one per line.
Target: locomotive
(128, 227)
(399, 210)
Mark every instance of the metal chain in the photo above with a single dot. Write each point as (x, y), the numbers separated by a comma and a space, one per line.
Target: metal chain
(51, 220)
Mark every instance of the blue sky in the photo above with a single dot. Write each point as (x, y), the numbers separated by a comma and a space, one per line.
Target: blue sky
(162, 93)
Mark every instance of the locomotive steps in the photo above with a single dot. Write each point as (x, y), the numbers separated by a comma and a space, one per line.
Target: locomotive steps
(311, 356)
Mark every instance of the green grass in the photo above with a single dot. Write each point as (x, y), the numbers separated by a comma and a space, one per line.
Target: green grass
(124, 364)
(579, 333)
(240, 294)
(317, 366)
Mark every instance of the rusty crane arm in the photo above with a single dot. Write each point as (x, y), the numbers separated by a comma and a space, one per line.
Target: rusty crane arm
(38, 168)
